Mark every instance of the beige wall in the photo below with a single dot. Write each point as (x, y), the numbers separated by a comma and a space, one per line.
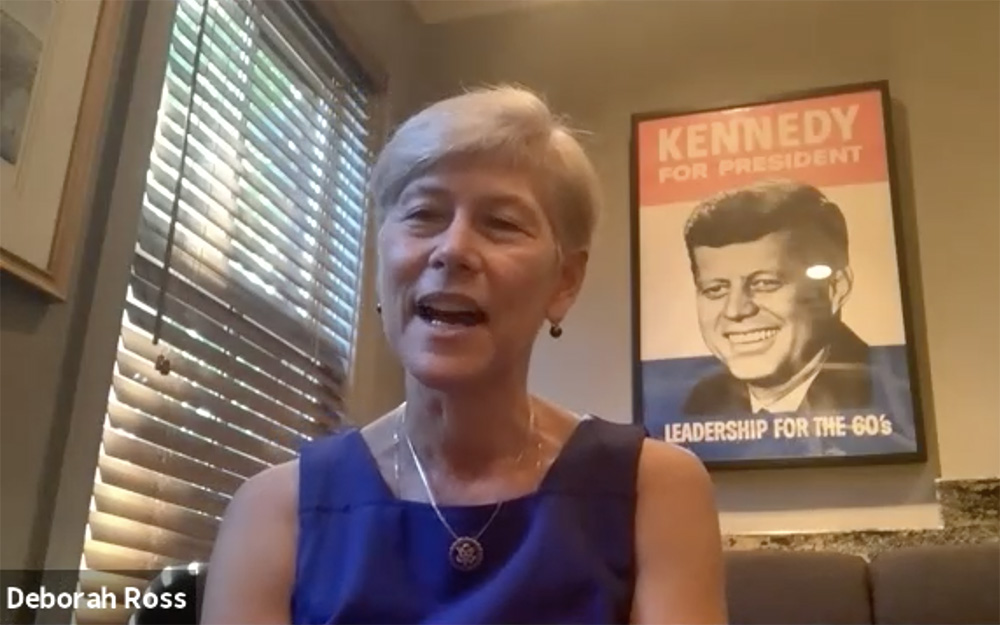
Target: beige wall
(601, 61)
(33, 341)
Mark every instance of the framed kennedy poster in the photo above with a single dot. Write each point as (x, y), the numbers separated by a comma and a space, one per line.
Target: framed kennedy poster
(771, 319)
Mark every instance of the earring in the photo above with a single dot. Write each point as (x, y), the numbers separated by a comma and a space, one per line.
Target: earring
(378, 308)
(555, 331)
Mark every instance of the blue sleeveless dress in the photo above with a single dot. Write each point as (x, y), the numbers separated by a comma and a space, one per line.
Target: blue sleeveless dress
(563, 554)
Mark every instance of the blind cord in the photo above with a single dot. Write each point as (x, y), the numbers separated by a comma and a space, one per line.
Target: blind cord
(162, 361)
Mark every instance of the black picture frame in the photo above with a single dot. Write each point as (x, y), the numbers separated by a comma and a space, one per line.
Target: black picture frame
(646, 403)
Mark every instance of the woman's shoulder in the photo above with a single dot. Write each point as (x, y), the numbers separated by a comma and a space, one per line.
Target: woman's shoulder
(668, 473)
(253, 583)
(660, 458)
(306, 480)
(274, 486)
(677, 538)
(655, 456)
(660, 466)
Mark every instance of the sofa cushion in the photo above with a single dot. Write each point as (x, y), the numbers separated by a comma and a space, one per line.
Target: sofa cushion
(800, 587)
(947, 585)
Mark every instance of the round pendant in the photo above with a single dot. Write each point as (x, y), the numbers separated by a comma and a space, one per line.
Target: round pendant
(466, 553)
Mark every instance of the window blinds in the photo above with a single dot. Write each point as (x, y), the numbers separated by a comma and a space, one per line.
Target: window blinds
(241, 312)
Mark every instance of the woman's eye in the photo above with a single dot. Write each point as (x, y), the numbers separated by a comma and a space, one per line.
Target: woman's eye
(502, 223)
(421, 213)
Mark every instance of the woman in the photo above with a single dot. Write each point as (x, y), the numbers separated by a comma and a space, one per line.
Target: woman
(474, 501)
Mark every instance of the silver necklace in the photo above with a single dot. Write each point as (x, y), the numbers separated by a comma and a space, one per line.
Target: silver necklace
(466, 552)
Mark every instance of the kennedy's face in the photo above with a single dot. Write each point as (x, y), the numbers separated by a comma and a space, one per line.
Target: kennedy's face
(468, 272)
(758, 311)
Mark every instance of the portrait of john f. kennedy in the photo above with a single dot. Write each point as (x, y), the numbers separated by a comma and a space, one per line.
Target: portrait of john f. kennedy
(772, 275)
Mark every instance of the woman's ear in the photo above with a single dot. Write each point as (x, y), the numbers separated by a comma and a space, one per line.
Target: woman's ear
(572, 269)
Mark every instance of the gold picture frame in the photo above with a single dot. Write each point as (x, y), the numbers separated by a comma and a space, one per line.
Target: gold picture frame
(59, 75)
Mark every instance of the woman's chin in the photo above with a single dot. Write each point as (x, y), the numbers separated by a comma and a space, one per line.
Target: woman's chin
(440, 372)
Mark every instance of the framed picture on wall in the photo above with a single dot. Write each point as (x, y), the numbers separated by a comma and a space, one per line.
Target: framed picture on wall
(56, 75)
(771, 319)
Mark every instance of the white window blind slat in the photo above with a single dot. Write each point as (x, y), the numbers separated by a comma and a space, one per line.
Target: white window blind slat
(186, 416)
(190, 272)
(353, 190)
(201, 352)
(126, 504)
(148, 428)
(109, 556)
(253, 206)
(239, 112)
(324, 142)
(247, 275)
(210, 403)
(195, 309)
(201, 338)
(144, 537)
(143, 482)
(190, 418)
(136, 358)
(239, 323)
(310, 56)
(296, 117)
(298, 283)
(263, 101)
(269, 148)
(121, 445)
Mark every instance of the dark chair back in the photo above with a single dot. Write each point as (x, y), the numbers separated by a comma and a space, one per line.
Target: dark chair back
(800, 587)
(946, 585)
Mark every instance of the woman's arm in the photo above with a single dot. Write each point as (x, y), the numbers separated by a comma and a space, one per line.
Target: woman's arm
(251, 571)
(678, 542)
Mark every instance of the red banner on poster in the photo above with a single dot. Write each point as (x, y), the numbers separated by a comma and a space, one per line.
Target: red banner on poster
(822, 141)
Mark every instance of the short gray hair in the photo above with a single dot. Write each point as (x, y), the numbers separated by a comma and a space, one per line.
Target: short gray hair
(505, 124)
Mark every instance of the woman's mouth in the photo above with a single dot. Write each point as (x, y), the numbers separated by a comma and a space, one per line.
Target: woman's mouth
(441, 317)
(450, 310)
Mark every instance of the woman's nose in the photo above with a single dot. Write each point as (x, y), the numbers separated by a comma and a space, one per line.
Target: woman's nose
(457, 246)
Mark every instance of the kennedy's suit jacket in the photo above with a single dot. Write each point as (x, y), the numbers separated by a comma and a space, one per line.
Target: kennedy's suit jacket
(843, 383)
